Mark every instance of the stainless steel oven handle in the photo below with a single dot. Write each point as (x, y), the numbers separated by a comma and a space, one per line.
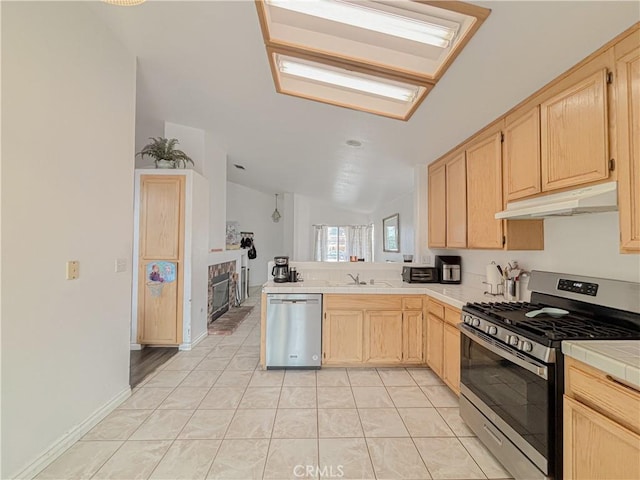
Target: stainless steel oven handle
(536, 369)
(495, 438)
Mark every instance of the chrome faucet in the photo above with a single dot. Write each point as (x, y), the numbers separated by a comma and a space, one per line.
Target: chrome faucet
(356, 279)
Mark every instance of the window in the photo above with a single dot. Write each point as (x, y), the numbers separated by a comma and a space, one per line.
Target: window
(338, 243)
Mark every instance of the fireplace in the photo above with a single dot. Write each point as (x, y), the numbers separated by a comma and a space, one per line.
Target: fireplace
(219, 296)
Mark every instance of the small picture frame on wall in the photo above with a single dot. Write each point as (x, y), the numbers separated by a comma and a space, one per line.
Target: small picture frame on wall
(391, 233)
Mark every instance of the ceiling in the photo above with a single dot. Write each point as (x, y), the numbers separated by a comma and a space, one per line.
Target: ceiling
(203, 64)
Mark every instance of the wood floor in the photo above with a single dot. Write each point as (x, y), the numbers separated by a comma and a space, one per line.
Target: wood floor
(145, 361)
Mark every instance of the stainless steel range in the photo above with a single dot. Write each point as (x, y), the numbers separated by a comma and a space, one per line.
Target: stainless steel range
(512, 366)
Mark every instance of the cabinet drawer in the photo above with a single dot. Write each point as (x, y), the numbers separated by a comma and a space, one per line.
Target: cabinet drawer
(362, 302)
(412, 303)
(595, 389)
(435, 308)
(452, 316)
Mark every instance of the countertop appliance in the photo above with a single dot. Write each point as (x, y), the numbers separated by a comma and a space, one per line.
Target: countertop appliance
(294, 330)
(449, 268)
(280, 270)
(415, 274)
(511, 365)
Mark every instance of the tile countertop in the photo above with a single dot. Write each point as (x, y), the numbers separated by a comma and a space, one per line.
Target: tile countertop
(618, 358)
(455, 295)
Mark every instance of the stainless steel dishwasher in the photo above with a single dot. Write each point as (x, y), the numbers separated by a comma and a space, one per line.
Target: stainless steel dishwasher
(294, 330)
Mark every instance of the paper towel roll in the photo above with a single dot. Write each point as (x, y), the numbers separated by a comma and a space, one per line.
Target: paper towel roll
(493, 276)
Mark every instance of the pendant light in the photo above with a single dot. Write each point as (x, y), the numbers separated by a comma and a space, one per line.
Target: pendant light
(276, 214)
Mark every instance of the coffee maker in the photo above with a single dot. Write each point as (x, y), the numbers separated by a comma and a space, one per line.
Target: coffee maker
(449, 268)
(280, 270)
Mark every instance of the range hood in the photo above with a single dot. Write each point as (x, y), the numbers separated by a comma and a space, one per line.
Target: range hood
(594, 199)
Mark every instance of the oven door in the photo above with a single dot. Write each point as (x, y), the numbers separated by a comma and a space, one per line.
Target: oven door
(511, 390)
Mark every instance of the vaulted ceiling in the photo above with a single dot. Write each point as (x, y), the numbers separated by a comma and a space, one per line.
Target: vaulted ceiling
(203, 64)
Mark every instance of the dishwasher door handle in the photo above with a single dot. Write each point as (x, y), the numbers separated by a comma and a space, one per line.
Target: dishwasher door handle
(277, 301)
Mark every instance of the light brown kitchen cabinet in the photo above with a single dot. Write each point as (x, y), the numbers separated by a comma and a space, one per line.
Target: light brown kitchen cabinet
(456, 201)
(601, 425)
(484, 192)
(161, 227)
(627, 82)
(383, 337)
(521, 154)
(575, 134)
(437, 206)
(373, 330)
(443, 343)
(413, 337)
(451, 357)
(342, 340)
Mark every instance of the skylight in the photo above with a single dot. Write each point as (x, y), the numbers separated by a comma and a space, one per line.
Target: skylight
(436, 32)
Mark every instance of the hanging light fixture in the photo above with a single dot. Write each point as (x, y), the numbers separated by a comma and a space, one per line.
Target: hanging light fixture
(276, 214)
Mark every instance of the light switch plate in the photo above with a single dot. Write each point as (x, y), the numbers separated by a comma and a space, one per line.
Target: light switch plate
(121, 265)
(73, 269)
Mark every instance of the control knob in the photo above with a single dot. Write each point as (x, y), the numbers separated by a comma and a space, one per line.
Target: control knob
(512, 340)
(476, 322)
(527, 346)
(491, 330)
(467, 319)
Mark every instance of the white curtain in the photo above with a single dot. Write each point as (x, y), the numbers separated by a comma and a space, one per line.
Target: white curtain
(360, 241)
(320, 237)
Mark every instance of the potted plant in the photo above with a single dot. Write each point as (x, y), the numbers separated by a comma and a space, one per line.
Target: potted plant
(164, 153)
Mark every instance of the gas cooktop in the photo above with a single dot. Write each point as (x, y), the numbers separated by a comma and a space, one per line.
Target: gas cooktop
(548, 330)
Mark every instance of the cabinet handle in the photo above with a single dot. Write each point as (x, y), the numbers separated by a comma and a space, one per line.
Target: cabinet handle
(623, 384)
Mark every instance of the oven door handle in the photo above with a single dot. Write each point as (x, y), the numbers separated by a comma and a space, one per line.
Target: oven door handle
(535, 368)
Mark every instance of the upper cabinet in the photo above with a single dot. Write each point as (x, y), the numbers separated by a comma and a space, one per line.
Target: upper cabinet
(484, 192)
(522, 154)
(456, 201)
(627, 83)
(574, 134)
(437, 206)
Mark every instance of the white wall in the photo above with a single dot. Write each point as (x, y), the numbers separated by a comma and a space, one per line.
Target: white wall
(253, 209)
(68, 111)
(404, 205)
(582, 245)
(308, 211)
(215, 170)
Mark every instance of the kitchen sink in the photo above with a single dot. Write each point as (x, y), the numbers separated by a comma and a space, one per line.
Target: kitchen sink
(376, 284)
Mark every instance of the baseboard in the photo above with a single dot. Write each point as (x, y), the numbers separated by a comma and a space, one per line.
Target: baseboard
(71, 437)
(135, 346)
(200, 338)
(185, 347)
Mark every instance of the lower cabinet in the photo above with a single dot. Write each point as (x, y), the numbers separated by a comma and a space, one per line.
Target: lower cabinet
(601, 425)
(373, 330)
(443, 343)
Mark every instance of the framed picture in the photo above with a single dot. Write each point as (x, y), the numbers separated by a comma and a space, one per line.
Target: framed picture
(391, 233)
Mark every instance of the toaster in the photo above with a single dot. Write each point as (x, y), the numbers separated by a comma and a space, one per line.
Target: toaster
(420, 275)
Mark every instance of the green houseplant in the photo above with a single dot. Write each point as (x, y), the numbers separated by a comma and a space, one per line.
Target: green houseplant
(164, 153)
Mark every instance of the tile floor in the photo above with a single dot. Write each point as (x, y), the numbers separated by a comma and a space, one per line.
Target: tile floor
(209, 413)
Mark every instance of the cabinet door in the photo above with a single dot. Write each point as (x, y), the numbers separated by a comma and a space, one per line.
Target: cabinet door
(628, 133)
(161, 245)
(437, 207)
(484, 193)
(522, 155)
(451, 357)
(574, 134)
(383, 337)
(342, 339)
(596, 448)
(456, 176)
(413, 337)
(435, 331)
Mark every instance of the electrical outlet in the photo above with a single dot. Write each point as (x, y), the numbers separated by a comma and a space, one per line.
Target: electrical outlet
(121, 265)
(426, 259)
(73, 269)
